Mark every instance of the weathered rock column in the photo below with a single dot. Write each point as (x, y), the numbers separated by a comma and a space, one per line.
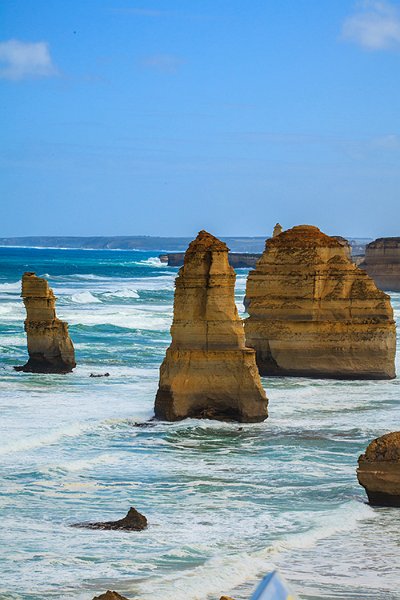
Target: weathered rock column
(208, 372)
(379, 470)
(313, 313)
(277, 230)
(382, 263)
(49, 345)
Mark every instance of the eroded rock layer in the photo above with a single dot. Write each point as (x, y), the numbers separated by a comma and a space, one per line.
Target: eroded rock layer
(208, 371)
(313, 313)
(379, 470)
(49, 345)
(382, 263)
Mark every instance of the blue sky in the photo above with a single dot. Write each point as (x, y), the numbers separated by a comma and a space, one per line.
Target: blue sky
(163, 117)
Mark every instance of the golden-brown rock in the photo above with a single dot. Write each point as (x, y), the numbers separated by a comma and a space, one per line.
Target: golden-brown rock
(382, 263)
(277, 230)
(313, 313)
(208, 372)
(379, 470)
(49, 345)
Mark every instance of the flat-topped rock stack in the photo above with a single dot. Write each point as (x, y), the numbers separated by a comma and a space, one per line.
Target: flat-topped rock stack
(314, 313)
(382, 263)
(49, 345)
(208, 372)
(379, 470)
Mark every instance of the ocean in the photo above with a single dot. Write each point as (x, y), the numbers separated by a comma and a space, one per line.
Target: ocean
(225, 504)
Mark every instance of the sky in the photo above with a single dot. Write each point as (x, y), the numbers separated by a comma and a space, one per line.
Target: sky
(164, 117)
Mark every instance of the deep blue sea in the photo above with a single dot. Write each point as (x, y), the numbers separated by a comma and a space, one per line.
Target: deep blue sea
(225, 503)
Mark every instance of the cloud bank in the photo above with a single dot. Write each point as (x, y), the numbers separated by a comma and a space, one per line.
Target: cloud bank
(375, 26)
(23, 60)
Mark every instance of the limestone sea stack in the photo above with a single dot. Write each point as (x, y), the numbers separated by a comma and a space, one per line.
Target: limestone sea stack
(379, 470)
(382, 263)
(277, 230)
(208, 372)
(314, 313)
(49, 345)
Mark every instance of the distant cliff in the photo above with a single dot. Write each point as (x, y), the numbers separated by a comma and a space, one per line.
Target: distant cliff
(146, 242)
(136, 242)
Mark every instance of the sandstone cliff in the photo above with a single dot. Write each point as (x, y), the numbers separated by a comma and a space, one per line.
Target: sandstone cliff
(382, 263)
(379, 470)
(49, 345)
(208, 372)
(314, 313)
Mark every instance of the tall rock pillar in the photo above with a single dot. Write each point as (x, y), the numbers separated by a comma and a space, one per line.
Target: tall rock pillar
(49, 345)
(208, 371)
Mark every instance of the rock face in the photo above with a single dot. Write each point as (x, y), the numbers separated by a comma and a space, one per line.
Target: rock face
(134, 521)
(208, 372)
(49, 345)
(379, 470)
(313, 313)
(382, 263)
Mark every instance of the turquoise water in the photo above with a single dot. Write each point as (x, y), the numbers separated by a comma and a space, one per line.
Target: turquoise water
(225, 504)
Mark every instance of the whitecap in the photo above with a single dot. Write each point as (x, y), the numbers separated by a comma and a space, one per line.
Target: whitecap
(10, 287)
(153, 261)
(84, 298)
(123, 293)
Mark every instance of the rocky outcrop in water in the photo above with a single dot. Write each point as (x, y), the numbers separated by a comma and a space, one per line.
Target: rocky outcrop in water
(208, 372)
(313, 313)
(134, 521)
(109, 595)
(379, 470)
(49, 345)
(382, 263)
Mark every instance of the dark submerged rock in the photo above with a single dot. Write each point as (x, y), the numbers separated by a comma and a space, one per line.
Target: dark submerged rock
(134, 521)
(99, 375)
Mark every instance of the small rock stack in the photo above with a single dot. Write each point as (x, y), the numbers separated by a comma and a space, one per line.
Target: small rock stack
(49, 345)
(379, 470)
(208, 372)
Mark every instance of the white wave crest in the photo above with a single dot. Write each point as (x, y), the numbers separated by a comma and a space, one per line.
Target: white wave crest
(84, 298)
(221, 574)
(153, 261)
(10, 287)
(123, 293)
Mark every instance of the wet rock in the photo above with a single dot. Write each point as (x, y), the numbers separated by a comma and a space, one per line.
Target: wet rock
(208, 372)
(379, 470)
(134, 521)
(109, 595)
(49, 345)
(99, 375)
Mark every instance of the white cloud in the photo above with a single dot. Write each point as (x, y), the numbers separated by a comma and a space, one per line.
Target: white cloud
(21, 60)
(168, 63)
(375, 25)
